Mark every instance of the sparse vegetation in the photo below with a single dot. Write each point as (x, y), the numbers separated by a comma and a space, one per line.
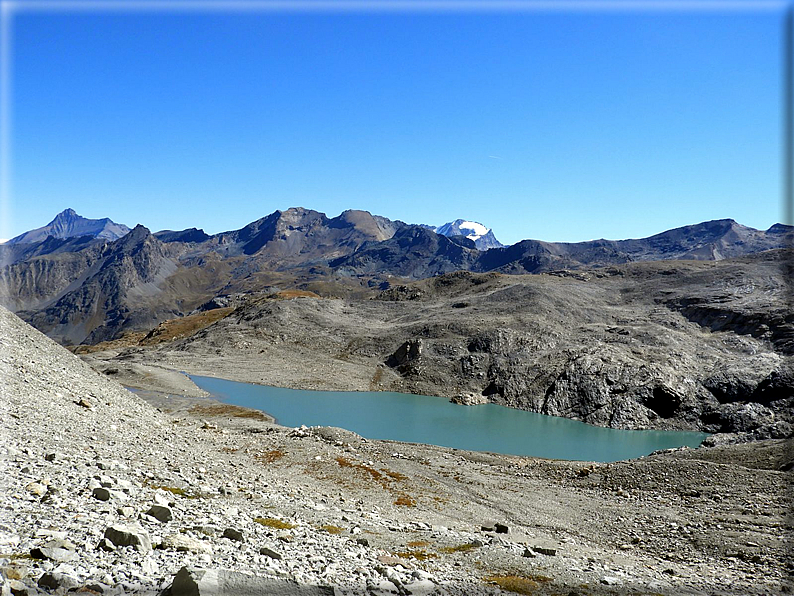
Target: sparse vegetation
(288, 294)
(517, 583)
(272, 522)
(395, 475)
(17, 556)
(461, 548)
(418, 554)
(166, 331)
(417, 543)
(346, 463)
(229, 410)
(332, 529)
(268, 457)
(405, 501)
(382, 476)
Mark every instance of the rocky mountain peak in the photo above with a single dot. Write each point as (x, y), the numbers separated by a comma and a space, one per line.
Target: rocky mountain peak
(68, 214)
(135, 236)
(68, 224)
(482, 236)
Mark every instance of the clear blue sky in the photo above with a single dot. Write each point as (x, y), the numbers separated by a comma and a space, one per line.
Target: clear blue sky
(566, 125)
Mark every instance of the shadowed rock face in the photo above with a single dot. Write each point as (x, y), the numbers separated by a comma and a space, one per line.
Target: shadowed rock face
(119, 288)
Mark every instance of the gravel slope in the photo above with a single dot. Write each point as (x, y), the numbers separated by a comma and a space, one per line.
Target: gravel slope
(87, 466)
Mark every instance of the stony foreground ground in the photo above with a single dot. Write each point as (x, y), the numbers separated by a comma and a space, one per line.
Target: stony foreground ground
(105, 493)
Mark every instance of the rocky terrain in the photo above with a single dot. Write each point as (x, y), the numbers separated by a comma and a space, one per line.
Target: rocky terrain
(669, 345)
(109, 281)
(105, 493)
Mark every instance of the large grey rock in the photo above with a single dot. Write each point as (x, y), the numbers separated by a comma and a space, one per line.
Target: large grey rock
(55, 550)
(216, 582)
(407, 357)
(129, 536)
(54, 580)
(269, 552)
(160, 513)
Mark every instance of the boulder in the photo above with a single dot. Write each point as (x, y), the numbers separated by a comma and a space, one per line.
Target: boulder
(217, 582)
(101, 494)
(160, 513)
(54, 580)
(269, 552)
(55, 550)
(129, 536)
(233, 534)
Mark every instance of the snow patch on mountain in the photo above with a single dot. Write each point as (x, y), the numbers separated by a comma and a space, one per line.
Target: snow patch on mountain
(482, 237)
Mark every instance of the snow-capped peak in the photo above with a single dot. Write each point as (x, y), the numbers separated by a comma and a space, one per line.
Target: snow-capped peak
(482, 237)
(476, 230)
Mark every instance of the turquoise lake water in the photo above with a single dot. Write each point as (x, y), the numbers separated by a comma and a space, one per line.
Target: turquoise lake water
(434, 420)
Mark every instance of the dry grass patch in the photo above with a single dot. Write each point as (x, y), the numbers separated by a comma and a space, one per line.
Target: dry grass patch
(332, 529)
(517, 583)
(461, 548)
(229, 410)
(130, 338)
(183, 326)
(405, 501)
(166, 331)
(17, 556)
(383, 476)
(417, 543)
(418, 554)
(272, 522)
(268, 457)
(395, 475)
(288, 294)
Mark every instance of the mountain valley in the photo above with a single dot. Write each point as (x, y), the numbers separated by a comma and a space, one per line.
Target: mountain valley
(169, 492)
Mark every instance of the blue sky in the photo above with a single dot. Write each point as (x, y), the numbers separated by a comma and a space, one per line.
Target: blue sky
(557, 125)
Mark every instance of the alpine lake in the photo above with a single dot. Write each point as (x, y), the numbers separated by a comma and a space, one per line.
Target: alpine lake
(425, 419)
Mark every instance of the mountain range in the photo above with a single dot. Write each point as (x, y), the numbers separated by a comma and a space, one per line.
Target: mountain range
(84, 281)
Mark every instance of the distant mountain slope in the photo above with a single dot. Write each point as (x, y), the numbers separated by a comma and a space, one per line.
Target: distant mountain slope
(100, 290)
(482, 237)
(707, 241)
(67, 224)
(119, 289)
(87, 289)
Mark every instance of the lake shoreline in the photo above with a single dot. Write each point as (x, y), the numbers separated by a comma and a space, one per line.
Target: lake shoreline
(169, 371)
(434, 420)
